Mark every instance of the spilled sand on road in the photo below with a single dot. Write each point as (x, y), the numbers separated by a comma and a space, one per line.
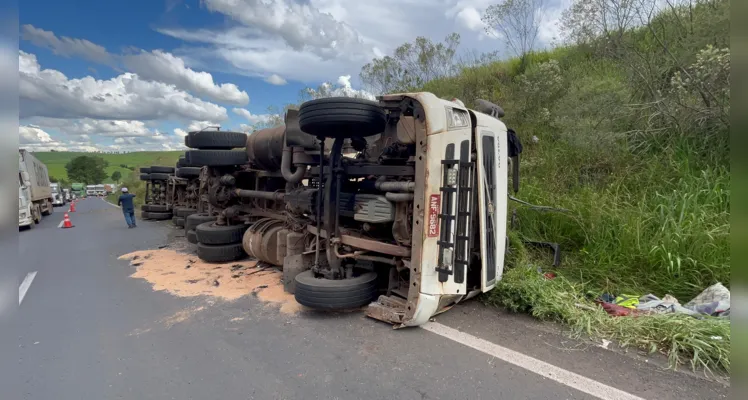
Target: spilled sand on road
(186, 275)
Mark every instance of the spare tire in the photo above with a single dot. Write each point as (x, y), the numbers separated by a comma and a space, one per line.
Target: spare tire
(145, 170)
(159, 176)
(193, 220)
(159, 216)
(210, 233)
(339, 294)
(216, 140)
(184, 211)
(145, 177)
(162, 169)
(188, 172)
(216, 158)
(220, 253)
(191, 237)
(341, 117)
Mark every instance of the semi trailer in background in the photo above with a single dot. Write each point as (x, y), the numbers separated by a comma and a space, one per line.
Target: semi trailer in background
(34, 190)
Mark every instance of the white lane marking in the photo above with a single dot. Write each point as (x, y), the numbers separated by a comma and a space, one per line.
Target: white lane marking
(560, 375)
(60, 224)
(25, 286)
(111, 204)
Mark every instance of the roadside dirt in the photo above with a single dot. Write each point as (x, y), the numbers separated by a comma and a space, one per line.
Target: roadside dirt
(185, 275)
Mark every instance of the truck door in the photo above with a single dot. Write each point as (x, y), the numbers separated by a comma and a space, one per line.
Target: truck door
(491, 146)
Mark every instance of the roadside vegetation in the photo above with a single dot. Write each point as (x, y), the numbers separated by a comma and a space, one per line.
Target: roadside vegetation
(124, 163)
(626, 125)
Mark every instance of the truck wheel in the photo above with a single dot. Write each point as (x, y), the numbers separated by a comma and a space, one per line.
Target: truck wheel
(192, 237)
(335, 294)
(159, 176)
(158, 208)
(342, 117)
(145, 170)
(188, 172)
(216, 158)
(210, 233)
(216, 140)
(162, 169)
(178, 221)
(160, 216)
(193, 220)
(145, 207)
(220, 253)
(184, 211)
(145, 215)
(145, 177)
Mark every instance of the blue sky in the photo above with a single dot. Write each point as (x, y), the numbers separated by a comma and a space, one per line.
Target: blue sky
(137, 75)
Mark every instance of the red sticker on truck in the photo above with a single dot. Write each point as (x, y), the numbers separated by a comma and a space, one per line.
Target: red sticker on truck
(434, 208)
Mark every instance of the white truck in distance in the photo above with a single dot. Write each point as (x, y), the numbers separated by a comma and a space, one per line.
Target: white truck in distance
(58, 196)
(34, 190)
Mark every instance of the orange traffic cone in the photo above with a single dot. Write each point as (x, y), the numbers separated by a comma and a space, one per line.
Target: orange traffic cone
(66, 222)
(72, 207)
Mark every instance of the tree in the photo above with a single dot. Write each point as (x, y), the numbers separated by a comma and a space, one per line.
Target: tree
(588, 20)
(517, 22)
(116, 176)
(87, 169)
(411, 65)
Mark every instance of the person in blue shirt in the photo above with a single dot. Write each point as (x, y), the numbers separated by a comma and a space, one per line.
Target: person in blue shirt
(125, 200)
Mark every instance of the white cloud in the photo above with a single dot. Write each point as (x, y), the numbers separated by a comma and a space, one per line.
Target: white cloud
(156, 65)
(301, 26)
(200, 125)
(33, 134)
(49, 93)
(161, 66)
(275, 79)
(180, 132)
(341, 88)
(253, 118)
(65, 46)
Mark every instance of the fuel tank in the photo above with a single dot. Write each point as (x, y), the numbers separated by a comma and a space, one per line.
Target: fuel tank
(265, 148)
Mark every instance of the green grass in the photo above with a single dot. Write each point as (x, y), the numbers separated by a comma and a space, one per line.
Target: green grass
(56, 161)
(646, 183)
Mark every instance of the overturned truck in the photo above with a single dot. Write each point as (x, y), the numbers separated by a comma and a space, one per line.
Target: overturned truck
(398, 204)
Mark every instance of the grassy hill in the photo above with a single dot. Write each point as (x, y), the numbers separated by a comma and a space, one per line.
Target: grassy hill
(630, 133)
(56, 161)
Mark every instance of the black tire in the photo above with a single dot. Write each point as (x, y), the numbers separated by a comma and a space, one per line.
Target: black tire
(145, 177)
(216, 140)
(342, 117)
(160, 216)
(216, 158)
(220, 253)
(159, 208)
(188, 172)
(145, 215)
(145, 170)
(178, 221)
(193, 220)
(184, 211)
(191, 237)
(159, 176)
(340, 294)
(145, 207)
(162, 169)
(210, 233)
(181, 162)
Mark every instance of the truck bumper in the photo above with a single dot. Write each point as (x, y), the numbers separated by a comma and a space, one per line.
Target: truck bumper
(25, 221)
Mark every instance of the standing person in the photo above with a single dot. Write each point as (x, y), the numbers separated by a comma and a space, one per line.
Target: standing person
(125, 200)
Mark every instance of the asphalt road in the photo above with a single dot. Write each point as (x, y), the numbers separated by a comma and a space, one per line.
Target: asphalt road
(86, 330)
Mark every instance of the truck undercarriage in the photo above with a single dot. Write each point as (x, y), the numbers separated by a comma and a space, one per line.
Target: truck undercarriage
(398, 204)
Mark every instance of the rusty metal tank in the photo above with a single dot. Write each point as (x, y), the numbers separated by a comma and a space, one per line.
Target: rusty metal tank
(265, 148)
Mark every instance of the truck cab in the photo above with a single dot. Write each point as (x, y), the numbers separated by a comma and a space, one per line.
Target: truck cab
(58, 197)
